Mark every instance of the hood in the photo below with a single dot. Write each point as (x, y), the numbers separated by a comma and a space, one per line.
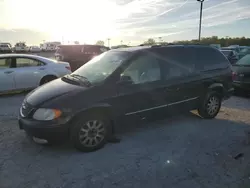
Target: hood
(50, 91)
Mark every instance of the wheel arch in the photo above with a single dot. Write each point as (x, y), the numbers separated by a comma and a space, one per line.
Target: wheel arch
(103, 108)
(218, 87)
(47, 76)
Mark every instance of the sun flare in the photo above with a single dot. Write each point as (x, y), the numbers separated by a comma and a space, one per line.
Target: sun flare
(81, 20)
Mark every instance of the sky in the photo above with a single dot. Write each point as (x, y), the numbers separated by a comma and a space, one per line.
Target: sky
(123, 21)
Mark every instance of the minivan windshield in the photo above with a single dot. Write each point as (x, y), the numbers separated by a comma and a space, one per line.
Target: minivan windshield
(100, 67)
(244, 61)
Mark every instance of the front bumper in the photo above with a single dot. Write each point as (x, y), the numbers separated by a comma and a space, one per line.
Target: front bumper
(48, 130)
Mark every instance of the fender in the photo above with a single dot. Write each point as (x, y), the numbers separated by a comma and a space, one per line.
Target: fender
(216, 85)
(98, 106)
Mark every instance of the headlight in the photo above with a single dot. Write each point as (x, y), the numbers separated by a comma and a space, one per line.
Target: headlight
(44, 114)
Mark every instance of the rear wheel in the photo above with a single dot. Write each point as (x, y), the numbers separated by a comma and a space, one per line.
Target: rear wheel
(90, 133)
(210, 106)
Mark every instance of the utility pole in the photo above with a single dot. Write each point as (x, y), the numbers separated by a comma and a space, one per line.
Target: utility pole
(108, 42)
(201, 8)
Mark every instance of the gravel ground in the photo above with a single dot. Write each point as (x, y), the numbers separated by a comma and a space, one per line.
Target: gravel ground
(182, 151)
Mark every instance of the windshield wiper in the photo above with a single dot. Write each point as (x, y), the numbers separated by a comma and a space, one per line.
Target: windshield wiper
(79, 77)
(72, 81)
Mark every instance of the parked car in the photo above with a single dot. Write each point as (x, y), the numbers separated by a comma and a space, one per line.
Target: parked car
(20, 47)
(25, 72)
(77, 55)
(5, 48)
(244, 51)
(241, 74)
(236, 49)
(34, 49)
(49, 46)
(96, 101)
(231, 56)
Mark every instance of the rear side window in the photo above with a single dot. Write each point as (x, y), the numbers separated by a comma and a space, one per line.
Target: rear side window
(177, 57)
(5, 63)
(92, 49)
(209, 59)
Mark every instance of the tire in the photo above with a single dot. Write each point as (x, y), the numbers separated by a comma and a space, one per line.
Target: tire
(47, 79)
(90, 133)
(210, 105)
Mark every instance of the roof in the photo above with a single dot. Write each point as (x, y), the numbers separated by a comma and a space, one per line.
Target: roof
(138, 48)
(62, 45)
(225, 50)
(19, 55)
(41, 58)
(132, 49)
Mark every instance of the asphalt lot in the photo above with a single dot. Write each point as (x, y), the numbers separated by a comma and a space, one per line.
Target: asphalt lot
(182, 151)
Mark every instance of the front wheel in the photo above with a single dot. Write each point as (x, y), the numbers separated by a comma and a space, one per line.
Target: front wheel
(90, 133)
(210, 106)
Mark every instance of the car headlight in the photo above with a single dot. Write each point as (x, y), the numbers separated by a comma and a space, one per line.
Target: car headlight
(45, 114)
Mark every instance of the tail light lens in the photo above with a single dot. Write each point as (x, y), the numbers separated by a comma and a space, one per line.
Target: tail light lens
(234, 75)
(68, 67)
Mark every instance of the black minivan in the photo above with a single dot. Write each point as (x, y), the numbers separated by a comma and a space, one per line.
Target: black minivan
(91, 104)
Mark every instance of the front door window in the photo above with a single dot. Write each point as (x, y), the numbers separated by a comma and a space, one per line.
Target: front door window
(144, 69)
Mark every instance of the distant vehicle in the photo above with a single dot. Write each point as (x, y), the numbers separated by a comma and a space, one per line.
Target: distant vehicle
(5, 48)
(235, 48)
(49, 46)
(34, 49)
(24, 72)
(21, 47)
(218, 46)
(241, 74)
(120, 46)
(231, 55)
(244, 51)
(77, 55)
(93, 103)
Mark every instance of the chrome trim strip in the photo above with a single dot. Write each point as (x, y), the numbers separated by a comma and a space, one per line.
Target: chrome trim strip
(165, 105)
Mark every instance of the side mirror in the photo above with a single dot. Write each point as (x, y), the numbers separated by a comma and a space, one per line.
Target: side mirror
(125, 80)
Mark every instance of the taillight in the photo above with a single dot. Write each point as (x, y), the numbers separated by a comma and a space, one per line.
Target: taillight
(234, 75)
(68, 67)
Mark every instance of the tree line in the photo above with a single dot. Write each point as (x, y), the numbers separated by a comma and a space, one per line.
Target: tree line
(224, 41)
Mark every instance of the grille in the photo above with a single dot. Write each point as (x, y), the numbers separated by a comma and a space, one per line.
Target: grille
(25, 109)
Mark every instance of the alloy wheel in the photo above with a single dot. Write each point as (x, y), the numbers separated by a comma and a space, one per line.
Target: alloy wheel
(213, 105)
(92, 133)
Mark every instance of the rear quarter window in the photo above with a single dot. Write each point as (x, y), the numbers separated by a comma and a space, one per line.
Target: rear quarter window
(209, 59)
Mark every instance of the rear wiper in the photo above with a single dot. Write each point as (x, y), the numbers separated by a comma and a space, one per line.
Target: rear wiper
(82, 77)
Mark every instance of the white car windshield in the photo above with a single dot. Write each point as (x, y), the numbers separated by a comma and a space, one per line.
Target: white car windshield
(100, 67)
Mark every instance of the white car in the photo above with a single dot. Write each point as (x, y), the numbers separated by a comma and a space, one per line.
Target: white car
(35, 49)
(5, 48)
(25, 72)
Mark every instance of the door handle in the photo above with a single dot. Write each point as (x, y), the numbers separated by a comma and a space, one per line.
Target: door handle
(41, 68)
(8, 72)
